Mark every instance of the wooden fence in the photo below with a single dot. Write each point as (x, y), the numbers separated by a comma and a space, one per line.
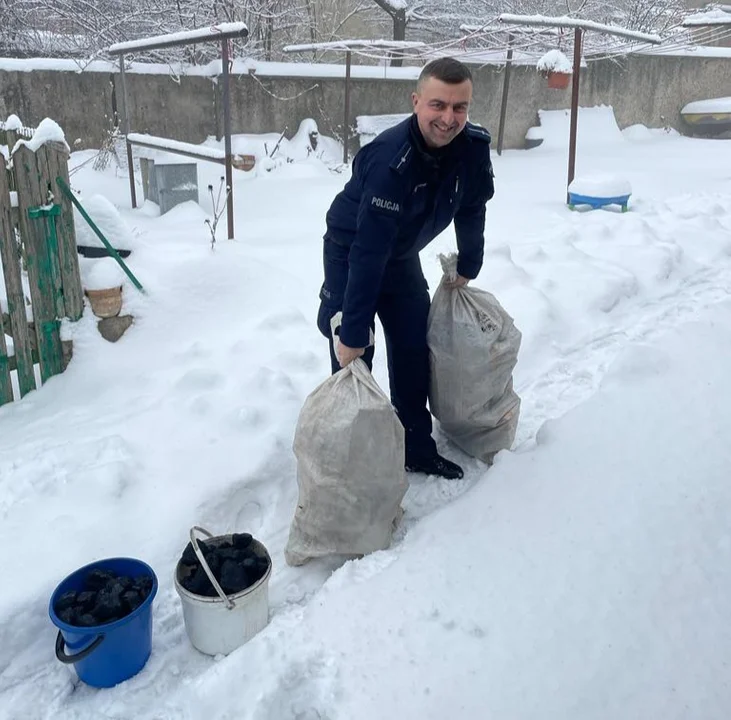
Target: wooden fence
(39, 264)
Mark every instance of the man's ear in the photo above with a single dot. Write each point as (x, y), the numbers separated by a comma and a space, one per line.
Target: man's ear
(414, 99)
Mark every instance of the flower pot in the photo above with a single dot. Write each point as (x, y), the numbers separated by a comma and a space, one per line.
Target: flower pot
(558, 80)
(244, 162)
(106, 303)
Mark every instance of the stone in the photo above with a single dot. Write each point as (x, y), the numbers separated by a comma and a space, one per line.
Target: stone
(113, 328)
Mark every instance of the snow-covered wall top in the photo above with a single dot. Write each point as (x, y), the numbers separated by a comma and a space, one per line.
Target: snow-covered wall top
(643, 89)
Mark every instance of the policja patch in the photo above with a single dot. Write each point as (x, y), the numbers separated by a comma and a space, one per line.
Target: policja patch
(384, 205)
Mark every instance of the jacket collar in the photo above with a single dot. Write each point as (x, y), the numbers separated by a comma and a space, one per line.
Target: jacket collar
(435, 157)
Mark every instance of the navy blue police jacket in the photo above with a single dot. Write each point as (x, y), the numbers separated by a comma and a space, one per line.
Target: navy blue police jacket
(400, 196)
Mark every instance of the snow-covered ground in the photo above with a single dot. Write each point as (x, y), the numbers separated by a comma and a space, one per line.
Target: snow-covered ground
(585, 576)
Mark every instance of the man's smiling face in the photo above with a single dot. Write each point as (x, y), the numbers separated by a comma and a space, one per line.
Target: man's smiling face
(441, 110)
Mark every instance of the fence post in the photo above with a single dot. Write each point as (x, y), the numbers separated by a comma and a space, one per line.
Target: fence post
(33, 186)
(10, 255)
(68, 258)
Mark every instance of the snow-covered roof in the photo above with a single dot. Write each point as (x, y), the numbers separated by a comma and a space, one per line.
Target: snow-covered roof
(569, 22)
(214, 32)
(718, 16)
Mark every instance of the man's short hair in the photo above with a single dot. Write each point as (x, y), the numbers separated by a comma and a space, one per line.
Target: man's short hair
(447, 70)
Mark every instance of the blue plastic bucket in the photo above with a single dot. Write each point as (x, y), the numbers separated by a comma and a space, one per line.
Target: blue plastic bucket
(106, 655)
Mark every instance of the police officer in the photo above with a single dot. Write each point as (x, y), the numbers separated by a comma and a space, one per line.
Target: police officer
(407, 186)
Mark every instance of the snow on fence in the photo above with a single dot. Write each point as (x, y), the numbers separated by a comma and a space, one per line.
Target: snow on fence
(13, 125)
(40, 281)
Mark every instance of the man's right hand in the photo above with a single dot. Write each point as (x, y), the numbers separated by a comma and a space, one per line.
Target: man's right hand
(346, 354)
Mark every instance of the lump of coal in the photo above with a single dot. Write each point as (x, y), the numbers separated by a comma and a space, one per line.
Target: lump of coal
(97, 579)
(234, 564)
(200, 584)
(242, 541)
(189, 557)
(86, 620)
(86, 600)
(143, 585)
(104, 598)
(233, 577)
(109, 605)
(214, 562)
(66, 601)
(132, 599)
(68, 615)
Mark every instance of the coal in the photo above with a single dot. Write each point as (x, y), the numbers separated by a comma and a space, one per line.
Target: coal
(66, 601)
(241, 541)
(97, 579)
(233, 577)
(86, 600)
(132, 599)
(234, 564)
(143, 585)
(189, 556)
(105, 597)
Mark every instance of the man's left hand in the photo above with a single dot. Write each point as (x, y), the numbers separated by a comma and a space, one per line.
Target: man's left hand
(457, 283)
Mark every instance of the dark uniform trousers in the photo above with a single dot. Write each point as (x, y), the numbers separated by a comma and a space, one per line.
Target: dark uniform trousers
(403, 309)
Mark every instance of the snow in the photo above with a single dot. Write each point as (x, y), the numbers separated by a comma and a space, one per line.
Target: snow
(48, 131)
(102, 274)
(569, 22)
(717, 16)
(13, 123)
(556, 61)
(240, 66)
(693, 51)
(368, 126)
(297, 147)
(176, 146)
(715, 105)
(324, 70)
(584, 576)
(108, 219)
(594, 123)
(212, 34)
(356, 45)
(600, 185)
(396, 5)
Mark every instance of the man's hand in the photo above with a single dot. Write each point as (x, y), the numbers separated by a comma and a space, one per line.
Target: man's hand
(346, 354)
(458, 283)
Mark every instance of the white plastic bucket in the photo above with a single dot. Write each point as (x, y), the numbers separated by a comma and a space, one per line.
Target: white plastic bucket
(219, 625)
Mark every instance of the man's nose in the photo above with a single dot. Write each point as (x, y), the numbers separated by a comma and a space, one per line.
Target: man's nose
(448, 116)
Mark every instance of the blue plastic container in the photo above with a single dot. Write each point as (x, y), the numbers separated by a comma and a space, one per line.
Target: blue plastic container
(597, 202)
(106, 655)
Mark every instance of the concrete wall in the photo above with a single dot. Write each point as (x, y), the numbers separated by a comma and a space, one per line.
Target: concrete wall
(642, 89)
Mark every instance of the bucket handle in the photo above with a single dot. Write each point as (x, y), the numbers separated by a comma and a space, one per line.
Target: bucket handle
(71, 659)
(230, 604)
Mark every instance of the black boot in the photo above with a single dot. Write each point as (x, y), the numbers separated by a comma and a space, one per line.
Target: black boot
(435, 465)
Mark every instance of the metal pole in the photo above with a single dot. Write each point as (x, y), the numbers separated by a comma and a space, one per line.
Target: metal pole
(125, 130)
(574, 107)
(506, 90)
(347, 107)
(227, 139)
